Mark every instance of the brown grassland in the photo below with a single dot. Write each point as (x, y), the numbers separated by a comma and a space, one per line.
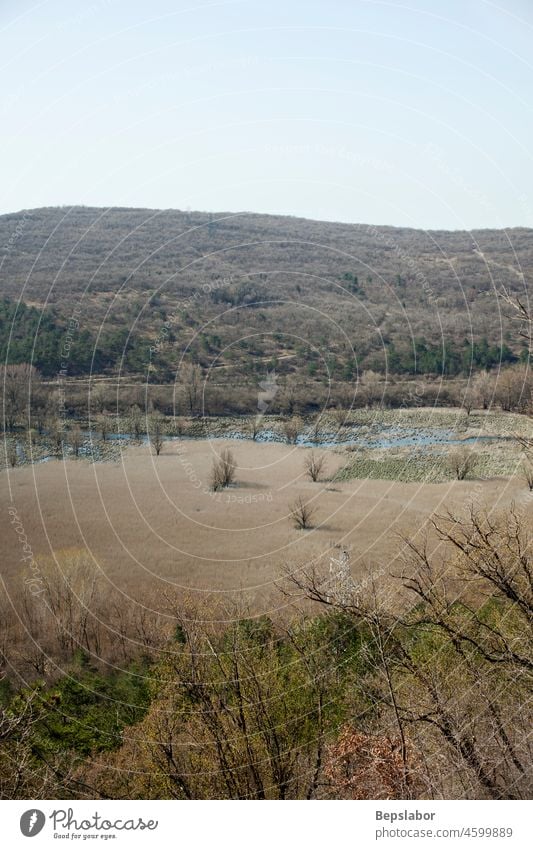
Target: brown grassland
(153, 521)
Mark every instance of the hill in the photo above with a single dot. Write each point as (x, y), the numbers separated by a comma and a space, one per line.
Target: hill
(244, 292)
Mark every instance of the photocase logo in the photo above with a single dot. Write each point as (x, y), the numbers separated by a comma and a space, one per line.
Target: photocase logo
(32, 822)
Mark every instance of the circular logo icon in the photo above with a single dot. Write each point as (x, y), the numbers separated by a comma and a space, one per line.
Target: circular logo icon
(32, 822)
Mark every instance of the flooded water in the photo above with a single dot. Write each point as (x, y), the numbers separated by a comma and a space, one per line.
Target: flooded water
(376, 437)
(362, 436)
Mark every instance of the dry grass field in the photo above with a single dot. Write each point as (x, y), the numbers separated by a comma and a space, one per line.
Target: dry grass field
(152, 522)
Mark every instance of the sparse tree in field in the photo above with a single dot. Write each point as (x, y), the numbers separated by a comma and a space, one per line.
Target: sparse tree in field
(460, 462)
(103, 425)
(316, 429)
(527, 471)
(76, 439)
(301, 514)
(223, 471)
(180, 425)
(483, 386)
(254, 427)
(136, 421)
(191, 381)
(57, 434)
(314, 465)
(12, 456)
(468, 399)
(157, 429)
(292, 429)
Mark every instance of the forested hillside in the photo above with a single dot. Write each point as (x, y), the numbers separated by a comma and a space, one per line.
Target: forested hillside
(243, 292)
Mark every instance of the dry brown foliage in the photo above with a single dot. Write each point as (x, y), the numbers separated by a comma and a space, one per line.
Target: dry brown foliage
(366, 766)
(223, 471)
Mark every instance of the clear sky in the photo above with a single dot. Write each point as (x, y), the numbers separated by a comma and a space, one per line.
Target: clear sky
(415, 113)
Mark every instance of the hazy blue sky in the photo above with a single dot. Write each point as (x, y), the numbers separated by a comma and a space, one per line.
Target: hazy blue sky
(417, 113)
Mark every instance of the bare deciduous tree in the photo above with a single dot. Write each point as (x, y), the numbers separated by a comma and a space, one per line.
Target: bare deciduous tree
(314, 465)
(191, 381)
(316, 429)
(468, 399)
(460, 462)
(513, 388)
(179, 425)
(292, 429)
(136, 421)
(12, 456)
(76, 439)
(483, 386)
(290, 396)
(56, 430)
(369, 387)
(301, 514)
(103, 425)
(254, 426)
(223, 471)
(157, 427)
